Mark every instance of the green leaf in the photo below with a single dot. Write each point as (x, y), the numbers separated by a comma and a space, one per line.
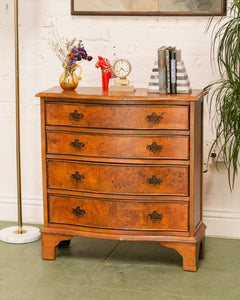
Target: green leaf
(224, 93)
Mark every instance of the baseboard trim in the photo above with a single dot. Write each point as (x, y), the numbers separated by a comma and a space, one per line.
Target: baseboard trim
(222, 223)
(32, 209)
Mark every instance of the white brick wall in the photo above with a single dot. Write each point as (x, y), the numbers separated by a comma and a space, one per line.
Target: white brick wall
(137, 39)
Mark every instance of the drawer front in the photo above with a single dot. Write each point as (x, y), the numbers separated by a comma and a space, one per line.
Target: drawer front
(118, 214)
(118, 179)
(118, 116)
(118, 146)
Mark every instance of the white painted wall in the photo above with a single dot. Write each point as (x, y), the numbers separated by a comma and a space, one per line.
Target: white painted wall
(135, 38)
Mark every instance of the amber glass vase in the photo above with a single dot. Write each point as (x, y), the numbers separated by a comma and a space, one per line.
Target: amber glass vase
(69, 78)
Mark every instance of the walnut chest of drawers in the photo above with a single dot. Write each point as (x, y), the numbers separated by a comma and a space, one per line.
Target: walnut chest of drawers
(124, 166)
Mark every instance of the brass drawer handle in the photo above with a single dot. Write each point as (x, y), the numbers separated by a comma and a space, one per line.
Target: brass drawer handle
(78, 212)
(76, 144)
(154, 118)
(77, 177)
(76, 116)
(155, 216)
(154, 147)
(154, 180)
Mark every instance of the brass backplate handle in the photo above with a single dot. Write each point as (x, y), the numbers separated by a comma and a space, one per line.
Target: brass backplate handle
(154, 118)
(78, 212)
(155, 216)
(154, 147)
(77, 176)
(154, 180)
(75, 115)
(76, 144)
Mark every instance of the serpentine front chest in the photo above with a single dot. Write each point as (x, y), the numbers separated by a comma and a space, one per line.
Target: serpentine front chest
(124, 166)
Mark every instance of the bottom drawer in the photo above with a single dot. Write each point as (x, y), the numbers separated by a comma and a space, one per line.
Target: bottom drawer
(95, 213)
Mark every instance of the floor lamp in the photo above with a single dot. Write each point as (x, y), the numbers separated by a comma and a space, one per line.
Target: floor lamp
(18, 234)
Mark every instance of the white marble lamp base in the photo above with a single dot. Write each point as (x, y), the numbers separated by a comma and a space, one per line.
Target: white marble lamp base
(10, 235)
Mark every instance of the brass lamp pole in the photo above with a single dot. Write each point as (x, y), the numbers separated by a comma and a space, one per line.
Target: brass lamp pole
(17, 104)
(18, 234)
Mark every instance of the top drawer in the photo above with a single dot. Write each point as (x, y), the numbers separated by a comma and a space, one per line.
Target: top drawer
(118, 116)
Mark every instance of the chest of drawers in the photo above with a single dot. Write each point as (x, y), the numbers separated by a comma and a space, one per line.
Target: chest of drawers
(124, 166)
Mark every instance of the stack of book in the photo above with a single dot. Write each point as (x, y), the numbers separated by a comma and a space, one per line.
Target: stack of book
(169, 75)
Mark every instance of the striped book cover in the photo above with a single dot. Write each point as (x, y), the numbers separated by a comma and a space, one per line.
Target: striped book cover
(183, 84)
(153, 85)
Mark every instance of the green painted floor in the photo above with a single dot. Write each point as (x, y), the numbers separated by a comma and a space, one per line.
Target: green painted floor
(101, 270)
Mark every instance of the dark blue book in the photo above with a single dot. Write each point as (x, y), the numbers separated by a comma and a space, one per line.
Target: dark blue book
(173, 72)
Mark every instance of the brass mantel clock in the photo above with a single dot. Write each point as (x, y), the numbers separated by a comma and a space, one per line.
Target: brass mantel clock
(122, 69)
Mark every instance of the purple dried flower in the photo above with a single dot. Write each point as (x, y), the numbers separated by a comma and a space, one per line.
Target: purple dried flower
(78, 53)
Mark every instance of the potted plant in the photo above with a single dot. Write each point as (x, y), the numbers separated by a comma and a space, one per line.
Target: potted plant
(224, 93)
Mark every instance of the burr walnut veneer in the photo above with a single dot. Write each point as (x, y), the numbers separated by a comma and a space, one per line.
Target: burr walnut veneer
(124, 166)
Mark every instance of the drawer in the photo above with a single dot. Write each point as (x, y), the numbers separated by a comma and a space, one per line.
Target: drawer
(118, 178)
(118, 214)
(118, 146)
(118, 116)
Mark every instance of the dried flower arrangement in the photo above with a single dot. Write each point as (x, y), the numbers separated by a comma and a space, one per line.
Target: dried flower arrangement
(69, 51)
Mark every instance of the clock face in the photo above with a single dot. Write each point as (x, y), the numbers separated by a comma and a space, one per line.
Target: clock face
(122, 68)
